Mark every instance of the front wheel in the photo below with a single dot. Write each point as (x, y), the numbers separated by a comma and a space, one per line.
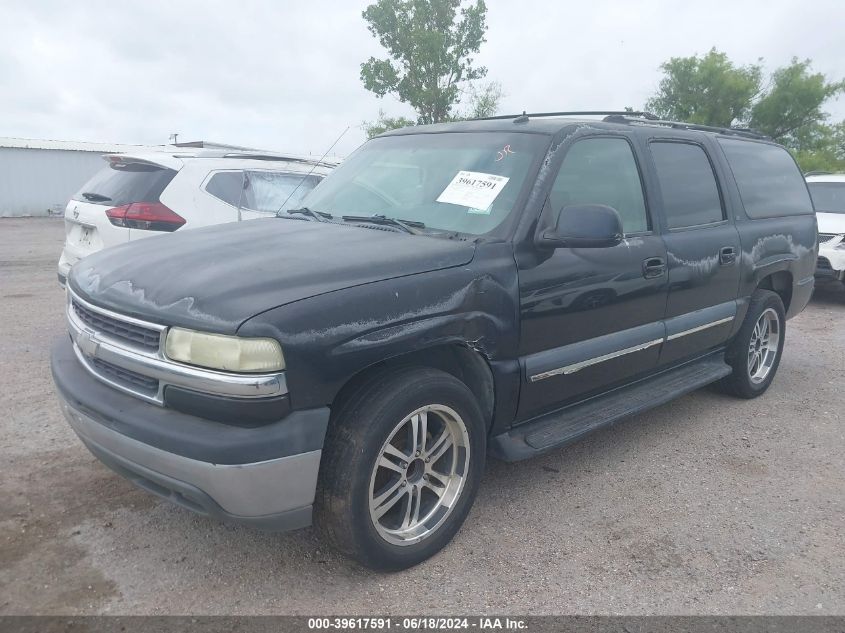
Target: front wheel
(756, 350)
(400, 468)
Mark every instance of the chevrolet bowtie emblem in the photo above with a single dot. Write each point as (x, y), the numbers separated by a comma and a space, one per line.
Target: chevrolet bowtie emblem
(87, 343)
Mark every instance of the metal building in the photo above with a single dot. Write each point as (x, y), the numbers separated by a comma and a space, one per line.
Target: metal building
(39, 177)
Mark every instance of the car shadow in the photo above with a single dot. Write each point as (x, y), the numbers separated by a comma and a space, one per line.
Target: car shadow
(832, 294)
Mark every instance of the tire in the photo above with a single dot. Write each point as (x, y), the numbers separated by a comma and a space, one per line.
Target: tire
(362, 506)
(751, 378)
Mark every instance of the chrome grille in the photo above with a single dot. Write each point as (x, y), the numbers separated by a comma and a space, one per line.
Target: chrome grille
(122, 330)
(126, 377)
(826, 237)
(127, 354)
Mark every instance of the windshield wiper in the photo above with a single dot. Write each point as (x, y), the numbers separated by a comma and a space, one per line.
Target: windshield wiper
(409, 226)
(95, 197)
(320, 216)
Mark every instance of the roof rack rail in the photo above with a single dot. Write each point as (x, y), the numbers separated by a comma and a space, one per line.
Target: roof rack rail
(255, 155)
(630, 117)
(818, 172)
(536, 115)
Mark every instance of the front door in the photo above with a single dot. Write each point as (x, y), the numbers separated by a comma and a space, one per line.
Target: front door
(592, 317)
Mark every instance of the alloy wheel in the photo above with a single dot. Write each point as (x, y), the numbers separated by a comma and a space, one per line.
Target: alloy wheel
(419, 474)
(763, 346)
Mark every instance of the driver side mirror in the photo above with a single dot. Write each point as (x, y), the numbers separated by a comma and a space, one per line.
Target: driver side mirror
(584, 226)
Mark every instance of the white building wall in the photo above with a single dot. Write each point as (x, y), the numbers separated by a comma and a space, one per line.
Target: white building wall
(40, 181)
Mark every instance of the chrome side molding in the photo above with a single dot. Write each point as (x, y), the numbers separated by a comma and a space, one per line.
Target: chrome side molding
(571, 369)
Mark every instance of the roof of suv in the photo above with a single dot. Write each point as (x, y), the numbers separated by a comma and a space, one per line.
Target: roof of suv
(825, 177)
(552, 123)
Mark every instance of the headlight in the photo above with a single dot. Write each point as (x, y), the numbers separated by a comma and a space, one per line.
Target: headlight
(229, 353)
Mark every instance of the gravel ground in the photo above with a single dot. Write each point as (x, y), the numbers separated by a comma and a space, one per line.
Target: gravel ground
(708, 505)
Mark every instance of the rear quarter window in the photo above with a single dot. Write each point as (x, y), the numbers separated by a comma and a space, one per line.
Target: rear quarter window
(769, 182)
(266, 191)
(122, 183)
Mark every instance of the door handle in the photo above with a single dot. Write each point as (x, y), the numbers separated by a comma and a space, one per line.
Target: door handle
(654, 267)
(727, 255)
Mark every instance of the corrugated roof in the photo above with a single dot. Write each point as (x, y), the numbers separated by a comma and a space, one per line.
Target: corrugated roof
(198, 148)
(79, 146)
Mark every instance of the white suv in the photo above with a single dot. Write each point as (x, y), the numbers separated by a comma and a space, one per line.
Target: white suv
(144, 194)
(828, 192)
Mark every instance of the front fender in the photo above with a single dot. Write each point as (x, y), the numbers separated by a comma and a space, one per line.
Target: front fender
(330, 338)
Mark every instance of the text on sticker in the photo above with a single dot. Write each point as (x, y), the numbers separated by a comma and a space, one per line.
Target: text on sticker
(473, 189)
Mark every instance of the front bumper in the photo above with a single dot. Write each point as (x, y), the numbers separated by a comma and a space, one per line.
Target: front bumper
(264, 476)
(831, 261)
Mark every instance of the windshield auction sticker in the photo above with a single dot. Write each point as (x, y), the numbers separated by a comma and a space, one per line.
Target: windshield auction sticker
(473, 189)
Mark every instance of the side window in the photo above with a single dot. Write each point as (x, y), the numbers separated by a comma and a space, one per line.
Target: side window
(602, 171)
(770, 183)
(271, 191)
(688, 184)
(226, 186)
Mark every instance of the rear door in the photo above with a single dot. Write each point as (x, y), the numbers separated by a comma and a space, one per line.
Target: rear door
(592, 318)
(702, 247)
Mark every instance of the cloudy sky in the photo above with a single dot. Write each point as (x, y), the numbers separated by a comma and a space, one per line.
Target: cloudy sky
(285, 74)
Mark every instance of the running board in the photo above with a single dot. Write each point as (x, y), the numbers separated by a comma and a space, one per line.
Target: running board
(565, 426)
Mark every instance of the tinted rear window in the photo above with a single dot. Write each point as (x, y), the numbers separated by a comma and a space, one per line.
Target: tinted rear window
(828, 197)
(690, 193)
(770, 183)
(123, 183)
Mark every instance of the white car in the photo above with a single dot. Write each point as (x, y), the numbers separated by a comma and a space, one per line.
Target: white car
(828, 193)
(145, 194)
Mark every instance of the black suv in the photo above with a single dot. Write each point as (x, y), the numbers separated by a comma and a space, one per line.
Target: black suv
(494, 287)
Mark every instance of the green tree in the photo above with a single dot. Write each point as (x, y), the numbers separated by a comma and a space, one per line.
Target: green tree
(430, 44)
(712, 90)
(820, 147)
(384, 123)
(791, 109)
(709, 90)
(484, 101)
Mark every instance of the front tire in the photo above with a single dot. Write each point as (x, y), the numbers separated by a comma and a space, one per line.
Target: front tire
(400, 468)
(756, 350)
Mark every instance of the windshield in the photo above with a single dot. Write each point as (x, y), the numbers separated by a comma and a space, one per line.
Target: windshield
(828, 197)
(461, 182)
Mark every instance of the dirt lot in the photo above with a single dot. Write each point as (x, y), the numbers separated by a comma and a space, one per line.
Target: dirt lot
(706, 505)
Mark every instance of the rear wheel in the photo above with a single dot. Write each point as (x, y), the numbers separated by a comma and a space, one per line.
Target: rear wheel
(756, 350)
(400, 468)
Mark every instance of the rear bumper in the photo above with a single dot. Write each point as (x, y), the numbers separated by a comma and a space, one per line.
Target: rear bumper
(66, 260)
(264, 476)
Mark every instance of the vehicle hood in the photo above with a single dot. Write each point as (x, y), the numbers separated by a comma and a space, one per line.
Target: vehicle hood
(831, 222)
(217, 277)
